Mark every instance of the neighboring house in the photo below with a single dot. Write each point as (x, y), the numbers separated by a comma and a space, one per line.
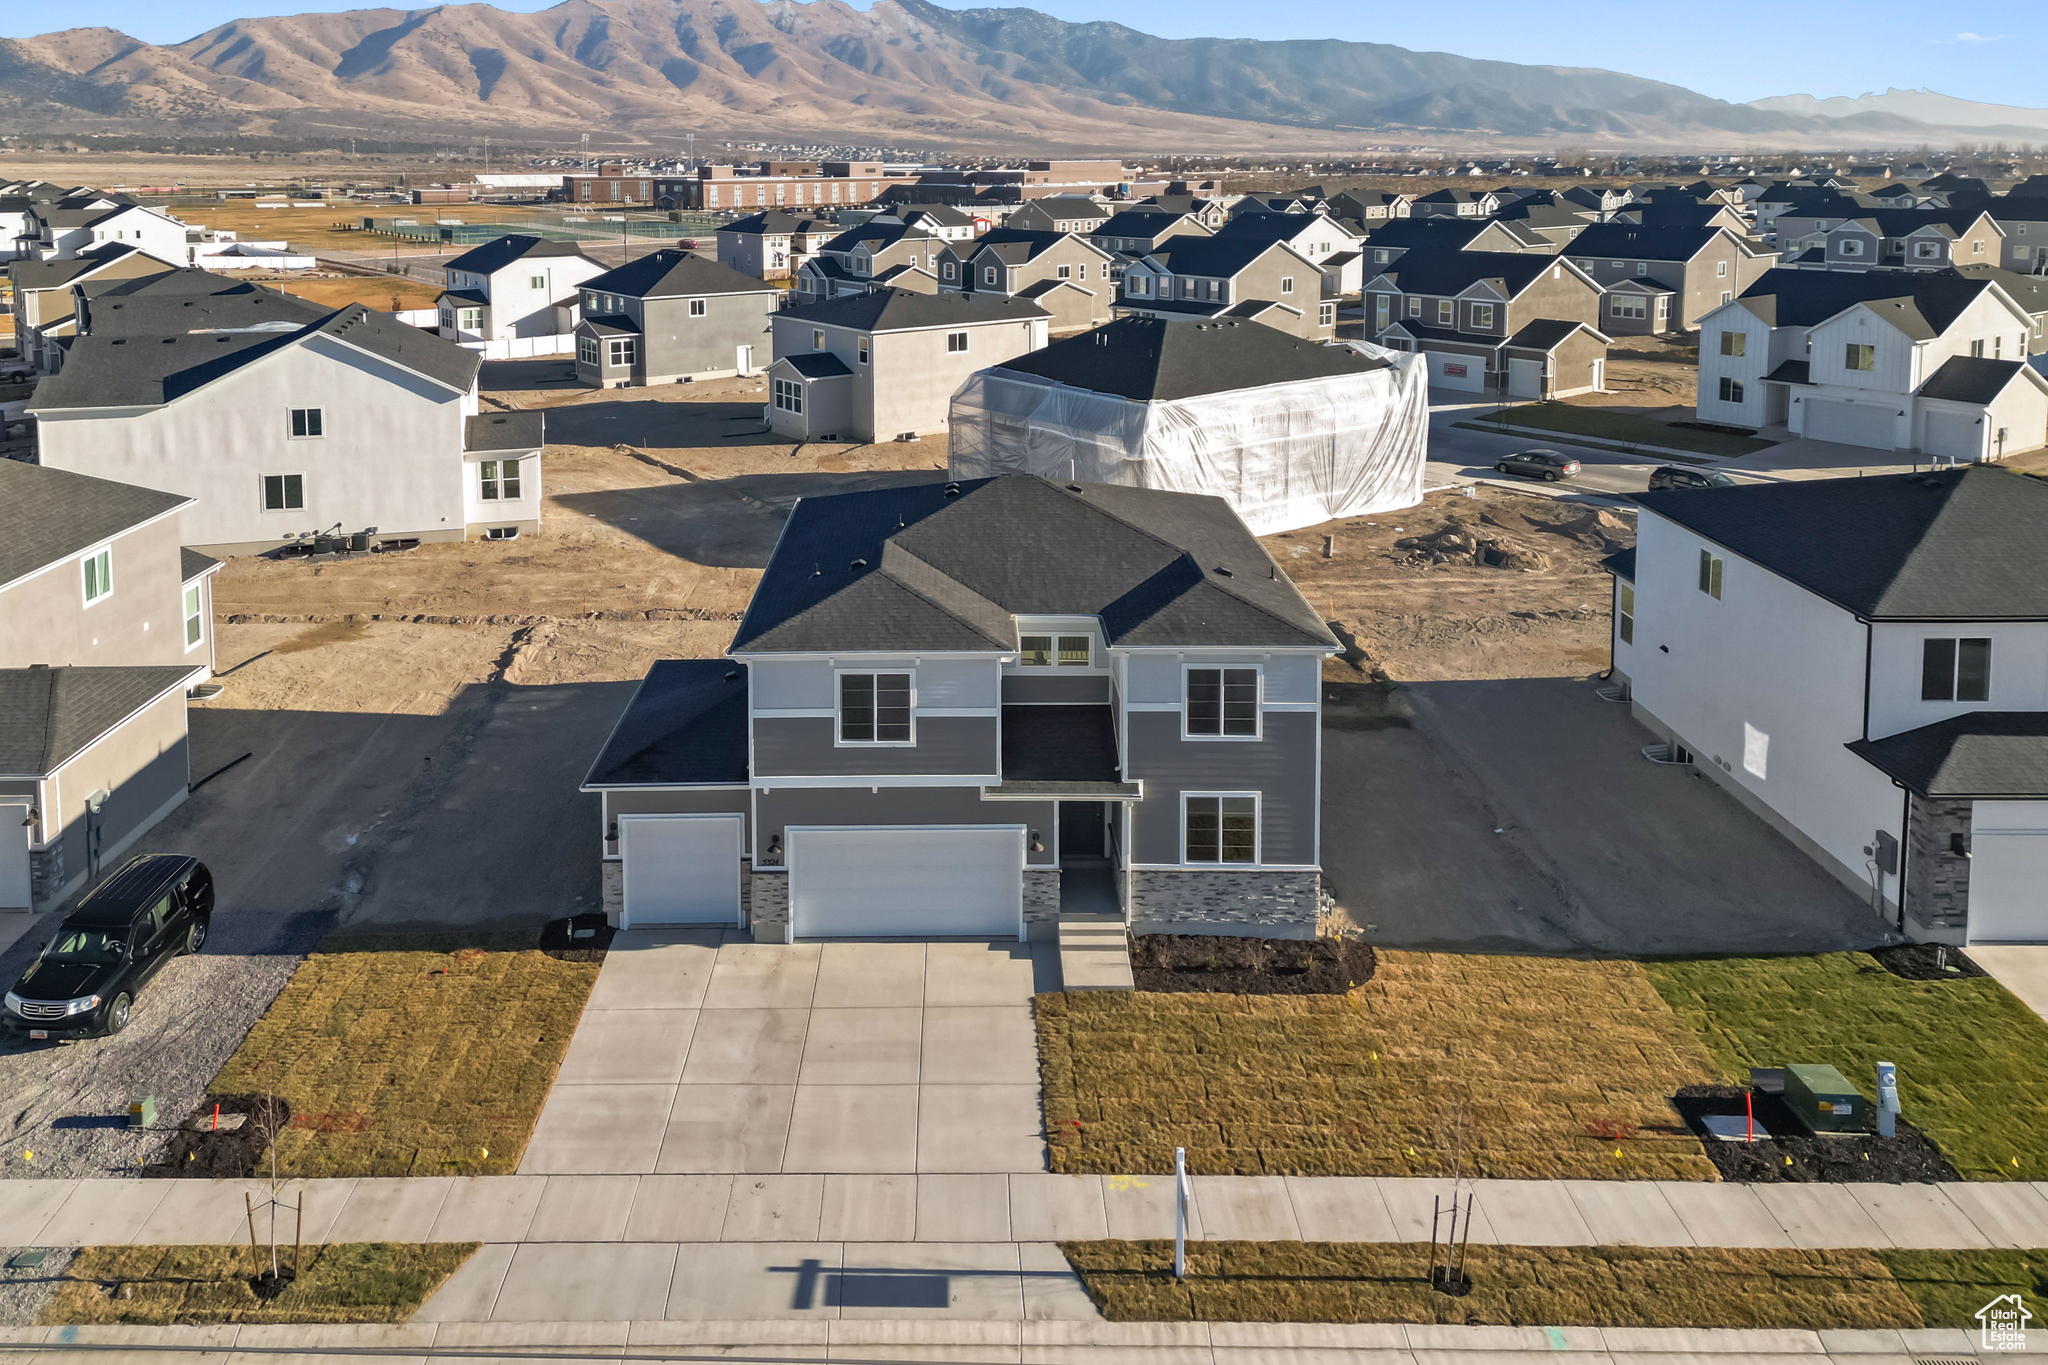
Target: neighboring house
(1455, 204)
(880, 253)
(1554, 224)
(883, 365)
(1316, 236)
(1369, 208)
(356, 424)
(671, 316)
(772, 245)
(1138, 230)
(2023, 222)
(45, 306)
(1661, 279)
(1599, 198)
(1863, 663)
(1252, 278)
(1210, 211)
(179, 301)
(1385, 244)
(942, 221)
(1686, 215)
(2030, 292)
(925, 730)
(515, 286)
(1068, 276)
(1518, 323)
(1933, 364)
(1905, 239)
(1059, 213)
(105, 624)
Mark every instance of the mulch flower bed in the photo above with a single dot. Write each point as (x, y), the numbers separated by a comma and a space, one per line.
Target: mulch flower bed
(1250, 966)
(579, 938)
(202, 1152)
(1791, 1154)
(1927, 962)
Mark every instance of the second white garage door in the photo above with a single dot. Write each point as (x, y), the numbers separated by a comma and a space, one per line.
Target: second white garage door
(1850, 424)
(2009, 872)
(883, 881)
(680, 869)
(1957, 435)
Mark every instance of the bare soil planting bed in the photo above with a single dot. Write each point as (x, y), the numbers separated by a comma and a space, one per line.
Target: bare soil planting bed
(1792, 1155)
(1250, 966)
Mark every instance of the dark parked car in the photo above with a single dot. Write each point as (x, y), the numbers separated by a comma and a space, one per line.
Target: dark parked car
(1672, 476)
(87, 977)
(1539, 464)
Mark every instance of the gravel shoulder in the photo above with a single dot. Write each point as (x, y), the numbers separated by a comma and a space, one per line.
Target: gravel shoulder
(24, 1292)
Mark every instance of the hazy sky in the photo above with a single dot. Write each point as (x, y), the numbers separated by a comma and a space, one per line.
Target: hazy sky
(1735, 49)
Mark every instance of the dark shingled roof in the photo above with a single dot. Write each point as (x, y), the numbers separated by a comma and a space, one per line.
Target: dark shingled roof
(1970, 379)
(1983, 753)
(47, 514)
(1272, 227)
(191, 564)
(1187, 254)
(1405, 233)
(687, 724)
(1434, 270)
(1634, 242)
(890, 310)
(48, 716)
(911, 568)
(1152, 359)
(191, 301)
(1963, 544)
(776, 223)
(1059, 744)
(55, 274)
(1804, 298)
(1622, 563)
(1543, 334)
(1144, 222)
(816, 364)
(505, 431)
(500, 252)
(672, 274)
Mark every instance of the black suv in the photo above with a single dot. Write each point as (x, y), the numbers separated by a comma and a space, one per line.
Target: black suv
(87, 977)
(1672, 476)
(1538, 464)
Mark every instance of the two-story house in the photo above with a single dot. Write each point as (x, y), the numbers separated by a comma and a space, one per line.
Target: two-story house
(1455, 203)
(773, 244)
(881, 253)
(942, 221)
(515, 286)
(1598, 198)
(2022, 221)
(1904, 239)
(1863, 663)
(2030, 292)
(354, 425)
(883, 365)
(1665, 279)
(106, 622)
(1519, 323)
(1253, 278)
(1370, 208)
(1059, 213)
(185, 300)
(671, 316)
(1934, 364)
(45, 306)
(1210, 210)
(1555, 225)
(1135, 231)
(1385, 244)
(1069, 276)
(953, 707)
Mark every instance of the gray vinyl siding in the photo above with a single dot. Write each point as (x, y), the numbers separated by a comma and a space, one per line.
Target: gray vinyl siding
(781, 684)
(802, 746)
(782, 807)
(673, 343)
(1050, 688)
(1281, 766)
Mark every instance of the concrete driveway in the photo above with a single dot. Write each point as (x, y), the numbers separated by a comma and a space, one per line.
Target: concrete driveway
(1520, 815)
(701, 1053)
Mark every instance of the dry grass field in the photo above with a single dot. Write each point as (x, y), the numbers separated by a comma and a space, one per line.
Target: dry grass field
(195, 1285)
(1540, 1068)
(386, 295)
(408, 1057)
(1612, 1286)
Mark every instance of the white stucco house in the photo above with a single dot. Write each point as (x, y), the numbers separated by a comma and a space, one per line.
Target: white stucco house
(1932, 363)
(515, 286)
(354, 424)
(1864, 664)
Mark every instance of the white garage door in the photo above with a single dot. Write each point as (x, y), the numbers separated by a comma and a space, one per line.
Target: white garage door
(1954, 434)
(1525, 379)
(2009, 872)
(881, 881)
(1850, 424)
(1457, 371)
(680, 869)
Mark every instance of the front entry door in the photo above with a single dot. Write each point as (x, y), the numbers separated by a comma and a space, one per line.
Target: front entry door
(1081, 832)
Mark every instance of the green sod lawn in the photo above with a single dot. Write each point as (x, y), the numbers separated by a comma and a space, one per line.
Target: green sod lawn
(1605, 424)
(1613, 1286)
(1973, 1060)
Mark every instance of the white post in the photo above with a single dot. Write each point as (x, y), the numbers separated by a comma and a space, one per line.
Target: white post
(1180, 1213)
(1887, 1100)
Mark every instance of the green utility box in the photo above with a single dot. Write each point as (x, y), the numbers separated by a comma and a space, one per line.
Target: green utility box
(1825, 1101)
(142, 1112)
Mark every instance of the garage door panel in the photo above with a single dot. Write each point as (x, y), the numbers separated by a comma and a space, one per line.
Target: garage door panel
(1954, 434)
(1466, 372)
(680, 869)
(883, 881)
(2009, 872)
(1852, 424)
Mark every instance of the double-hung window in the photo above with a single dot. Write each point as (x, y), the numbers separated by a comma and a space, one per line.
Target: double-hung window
(1220, 829)
(1446, 311)
(99, 574)
(1223, 703)
(874, 708)
(1734, 343)
(498, 479)
(195, 621)
(1625, 612)
(1955, 670)
(1710, 574)
(1482, 316)
(308, 422)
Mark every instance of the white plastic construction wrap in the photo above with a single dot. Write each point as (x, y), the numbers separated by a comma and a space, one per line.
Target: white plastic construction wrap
(1284, 455)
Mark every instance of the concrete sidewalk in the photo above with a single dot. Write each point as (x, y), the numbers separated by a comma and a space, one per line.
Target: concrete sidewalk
(1015, 1343)
(1016, 1208)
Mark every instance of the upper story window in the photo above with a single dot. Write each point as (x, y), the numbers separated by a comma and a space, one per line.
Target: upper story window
(1625, 612)
(536, 282)
(1955, 670)
(195, 620)
(308, 422)
(1065, 272)
(860, 347)
(1643, 268)
(947, 270)
(1710, 574)
(1927, 251)
(817, 338)
(1734, 343)
(1287, 284)
(1445, 311)
(1482, 316)
(698, 307)
(1850, 246)
(1222, 703)
(874, 708)
(1415, 308)
(956, 343)
(1859, 356)
(988, 274)
(99, 574)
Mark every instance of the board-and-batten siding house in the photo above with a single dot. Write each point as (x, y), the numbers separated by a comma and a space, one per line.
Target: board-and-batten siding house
(515, 286)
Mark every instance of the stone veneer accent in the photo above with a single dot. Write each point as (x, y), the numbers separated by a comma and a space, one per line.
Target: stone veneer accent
(1243, 904)
(1041, 902)
(768, 906)
(46, 874)
(613, 875)
(1937, 881)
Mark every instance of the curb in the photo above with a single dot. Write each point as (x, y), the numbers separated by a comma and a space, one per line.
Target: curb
(1597, 443)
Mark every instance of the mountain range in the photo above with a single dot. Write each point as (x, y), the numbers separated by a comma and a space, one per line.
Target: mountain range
(902, 72)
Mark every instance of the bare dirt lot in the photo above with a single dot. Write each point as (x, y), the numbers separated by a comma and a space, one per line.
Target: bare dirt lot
(1653, 377)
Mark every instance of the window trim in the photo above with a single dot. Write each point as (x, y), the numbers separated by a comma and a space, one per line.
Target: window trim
(839, 740)
(315, 417)
(959, 336)
(1258, 705)
(700, 308)
(102, 555)
(263, 493)
(1625, 611)
(194, 614)
(1954, 680)
(1258, 828)
(793, 390)
(612, 346)
(1713, 570)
